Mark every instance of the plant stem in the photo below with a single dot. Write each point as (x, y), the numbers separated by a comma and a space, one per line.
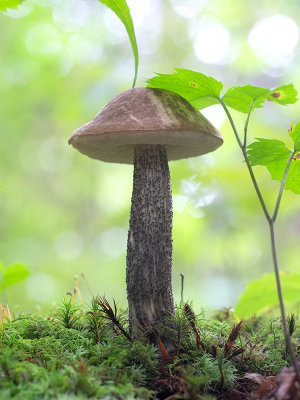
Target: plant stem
(271, 222)
(282, 186)
(281, 302)
(243, 148)
(231, 123)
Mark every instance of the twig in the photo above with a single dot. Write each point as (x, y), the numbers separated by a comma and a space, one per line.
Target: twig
(271, 222)
(282, 186)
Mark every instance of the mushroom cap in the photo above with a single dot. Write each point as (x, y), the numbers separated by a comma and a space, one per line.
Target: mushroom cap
(146, 116)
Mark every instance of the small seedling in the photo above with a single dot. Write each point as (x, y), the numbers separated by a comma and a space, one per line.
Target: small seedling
(112, 315)
(202, 91)
(291, 320)
(68, 312)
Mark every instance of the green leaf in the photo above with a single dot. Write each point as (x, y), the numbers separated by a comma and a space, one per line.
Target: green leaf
(5, 4)
(283, 95)
(120, 8)
(295, 135)
(268, 152)
(200, 90)
(14, 274)
(240, 98)
(293, 178)
(274, 155)
(261, 296)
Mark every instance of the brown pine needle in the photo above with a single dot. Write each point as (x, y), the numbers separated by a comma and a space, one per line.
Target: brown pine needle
(188, 311)
(164, 352)
(6, 312)
(232, 338)
(78, 290)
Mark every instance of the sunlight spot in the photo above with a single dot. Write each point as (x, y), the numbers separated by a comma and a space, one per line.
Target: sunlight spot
(198, 196)
(189, 187)
(274, 39)
(41, 287)
(141, 10)
(215, 114)
(188, 8)
(212, 43)
(68, 245)
(22, 11)
(43, 39)
(205, 199)
(147, 17)
(70, 15)
(115, 29)
(111, 243)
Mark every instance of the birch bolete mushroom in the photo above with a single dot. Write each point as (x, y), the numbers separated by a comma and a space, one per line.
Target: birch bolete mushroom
(148, 127)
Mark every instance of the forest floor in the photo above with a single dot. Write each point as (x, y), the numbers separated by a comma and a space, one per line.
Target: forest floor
(84, 354)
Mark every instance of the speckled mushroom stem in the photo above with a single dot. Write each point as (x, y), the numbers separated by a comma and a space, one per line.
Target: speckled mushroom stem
(149, 247)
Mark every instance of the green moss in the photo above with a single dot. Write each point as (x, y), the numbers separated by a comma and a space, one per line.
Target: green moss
(43, 358)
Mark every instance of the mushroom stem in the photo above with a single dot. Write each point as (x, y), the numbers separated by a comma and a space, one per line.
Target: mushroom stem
(149, 246)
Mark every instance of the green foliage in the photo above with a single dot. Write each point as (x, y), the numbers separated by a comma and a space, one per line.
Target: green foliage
(261, 295)
(203, 91)
(241, 98)
(41, 358)
(68, 312)
(5, 4)
(295, 135)
(274, 155)
(200, 90)
(12, 274)
(120, 8)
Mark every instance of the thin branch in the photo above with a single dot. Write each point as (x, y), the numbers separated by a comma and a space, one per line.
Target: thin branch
(281, 302)
(282, 186)
(231, 123)
(262, 202)
(271, 222)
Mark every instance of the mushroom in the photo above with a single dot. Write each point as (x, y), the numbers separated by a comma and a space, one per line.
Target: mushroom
(148, 127)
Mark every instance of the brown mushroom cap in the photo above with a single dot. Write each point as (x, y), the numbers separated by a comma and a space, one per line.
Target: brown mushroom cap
(146, 116)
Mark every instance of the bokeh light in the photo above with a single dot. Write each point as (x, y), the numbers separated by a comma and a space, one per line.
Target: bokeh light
(212, 43)
(274, 40)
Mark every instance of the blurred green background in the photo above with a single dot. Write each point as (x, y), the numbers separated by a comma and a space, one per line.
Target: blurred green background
(62, 213)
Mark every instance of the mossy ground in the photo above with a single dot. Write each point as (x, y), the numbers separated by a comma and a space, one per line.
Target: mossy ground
(75, 354)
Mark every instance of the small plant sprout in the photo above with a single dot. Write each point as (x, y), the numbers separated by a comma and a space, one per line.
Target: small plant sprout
(68, 312)
(282, 162)
(147, 128)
